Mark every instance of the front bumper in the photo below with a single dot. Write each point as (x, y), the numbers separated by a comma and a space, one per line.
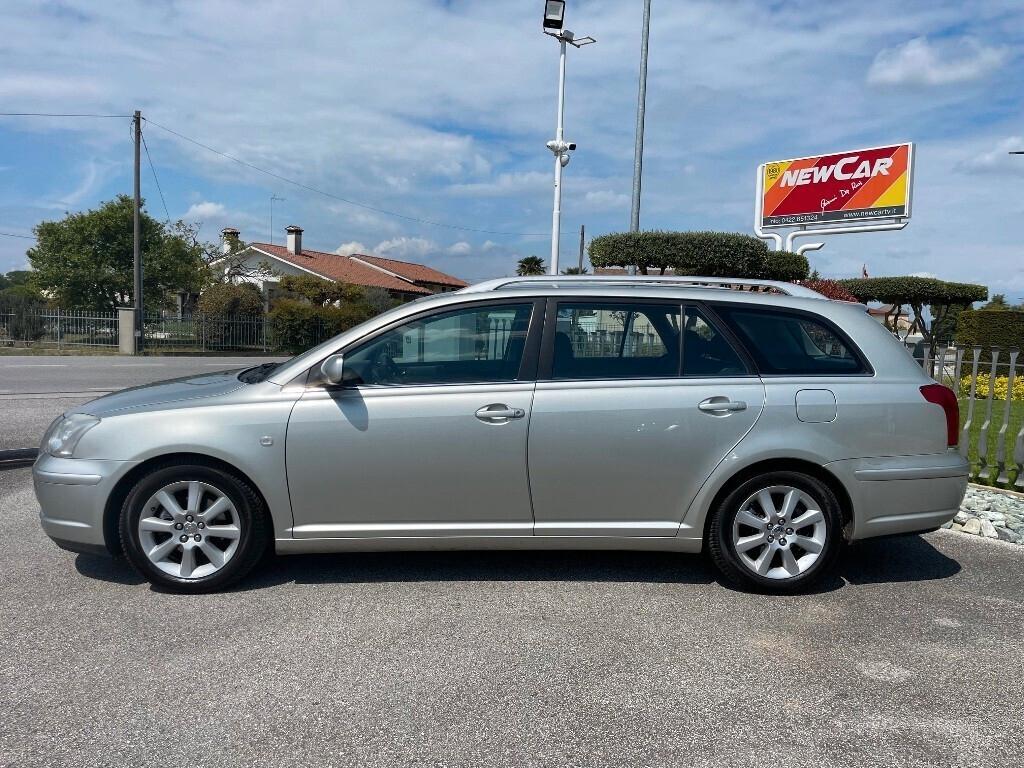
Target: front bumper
(72, 495)
(903, 494)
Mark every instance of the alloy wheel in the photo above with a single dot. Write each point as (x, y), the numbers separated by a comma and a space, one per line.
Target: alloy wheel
(189, 529)
(779, 532)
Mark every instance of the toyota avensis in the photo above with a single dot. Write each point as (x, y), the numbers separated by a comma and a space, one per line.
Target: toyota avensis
(767, 426)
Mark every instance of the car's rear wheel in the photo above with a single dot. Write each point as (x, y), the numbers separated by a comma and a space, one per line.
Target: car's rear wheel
(777, 532)
(193, 527)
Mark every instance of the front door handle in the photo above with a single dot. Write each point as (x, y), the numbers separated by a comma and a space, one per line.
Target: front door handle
(497, 413)
(721, 405)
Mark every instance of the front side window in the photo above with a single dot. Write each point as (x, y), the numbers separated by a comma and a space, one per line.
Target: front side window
(791, 344)
(616, 341)
(464, 346)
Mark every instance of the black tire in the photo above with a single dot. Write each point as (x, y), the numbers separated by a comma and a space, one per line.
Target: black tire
(723, 552)
(253, 520)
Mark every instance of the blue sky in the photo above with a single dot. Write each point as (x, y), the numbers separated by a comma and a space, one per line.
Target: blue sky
(440, 110)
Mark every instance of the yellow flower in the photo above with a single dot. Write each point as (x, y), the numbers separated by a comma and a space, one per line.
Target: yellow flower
(999, 392)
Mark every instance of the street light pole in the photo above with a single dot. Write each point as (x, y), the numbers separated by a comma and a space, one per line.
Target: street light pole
(641, 108)
(554, 17)
(137, 234)
(556, 211)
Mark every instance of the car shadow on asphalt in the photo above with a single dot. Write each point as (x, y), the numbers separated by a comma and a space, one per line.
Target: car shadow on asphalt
(878, 561)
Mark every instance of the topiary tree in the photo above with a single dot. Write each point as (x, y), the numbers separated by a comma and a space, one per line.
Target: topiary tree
(711, 254)
(944, 300)
(231, 299)
(783, 265)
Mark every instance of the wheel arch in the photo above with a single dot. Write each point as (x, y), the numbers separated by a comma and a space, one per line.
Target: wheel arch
(116, 499)
(816, 471)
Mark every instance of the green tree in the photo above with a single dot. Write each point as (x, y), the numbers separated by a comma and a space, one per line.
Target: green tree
(574, 271)
(531, 265)
(84, 261)
(17, 285)
(998, 301)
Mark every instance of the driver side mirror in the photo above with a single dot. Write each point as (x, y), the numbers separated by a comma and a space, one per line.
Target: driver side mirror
(333, 369)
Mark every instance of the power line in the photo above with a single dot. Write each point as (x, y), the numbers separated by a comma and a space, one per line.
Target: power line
(157, 180)
(11, 234)
(339, 198)
(56, 114)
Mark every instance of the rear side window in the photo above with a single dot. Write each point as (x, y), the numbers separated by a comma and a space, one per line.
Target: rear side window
(792, 344)
(706, 351)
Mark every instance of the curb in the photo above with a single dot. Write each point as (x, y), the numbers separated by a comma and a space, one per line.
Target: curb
(16, 458)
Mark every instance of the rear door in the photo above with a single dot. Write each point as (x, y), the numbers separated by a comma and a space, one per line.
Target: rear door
(636, 403)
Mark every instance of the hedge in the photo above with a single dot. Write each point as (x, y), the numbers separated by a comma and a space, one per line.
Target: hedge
(710, 254)
(829, 288)
(991, 328)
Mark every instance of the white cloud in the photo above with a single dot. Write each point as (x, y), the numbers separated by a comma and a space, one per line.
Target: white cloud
(506, 184)
(204, 211)
(606, 200)
(347, 249)
(461, 248)
(997, 159)
(920, 62)
(406, 247)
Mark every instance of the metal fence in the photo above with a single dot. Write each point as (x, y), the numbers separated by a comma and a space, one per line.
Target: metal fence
(989, 383)
(57, 328)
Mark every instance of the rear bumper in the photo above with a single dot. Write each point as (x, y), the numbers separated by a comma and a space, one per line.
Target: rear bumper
(72, 495)
(902, 494)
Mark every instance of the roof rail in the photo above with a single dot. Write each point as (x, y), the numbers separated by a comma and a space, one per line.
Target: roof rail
(689, 281)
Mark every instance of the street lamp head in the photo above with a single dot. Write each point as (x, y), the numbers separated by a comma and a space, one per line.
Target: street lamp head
(554, 14)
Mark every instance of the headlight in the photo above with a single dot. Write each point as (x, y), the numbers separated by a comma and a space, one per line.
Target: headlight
(63, 435)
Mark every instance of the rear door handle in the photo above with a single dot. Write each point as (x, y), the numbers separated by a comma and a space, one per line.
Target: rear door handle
(721, 405)
(499, 412)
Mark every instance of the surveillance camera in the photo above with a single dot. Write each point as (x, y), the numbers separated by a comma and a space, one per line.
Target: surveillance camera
(564, 160)
(572, 146)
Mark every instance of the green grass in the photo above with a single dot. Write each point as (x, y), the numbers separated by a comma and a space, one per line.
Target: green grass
(978, 419)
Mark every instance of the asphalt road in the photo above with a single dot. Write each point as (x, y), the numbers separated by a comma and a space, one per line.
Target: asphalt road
(912, 657)
(34, 390)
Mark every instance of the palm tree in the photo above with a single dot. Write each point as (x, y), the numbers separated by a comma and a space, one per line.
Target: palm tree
(575, 271)
(531, 265)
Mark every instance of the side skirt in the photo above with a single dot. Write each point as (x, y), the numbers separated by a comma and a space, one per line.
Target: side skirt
(406, 543)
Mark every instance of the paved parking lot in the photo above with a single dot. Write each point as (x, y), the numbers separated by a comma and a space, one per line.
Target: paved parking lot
(914, 655)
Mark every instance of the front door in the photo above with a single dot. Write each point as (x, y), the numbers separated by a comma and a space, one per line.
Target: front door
(426, 437)
(636, 404)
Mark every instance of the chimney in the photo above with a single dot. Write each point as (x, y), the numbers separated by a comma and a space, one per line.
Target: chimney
(294, 239)
(229, 240)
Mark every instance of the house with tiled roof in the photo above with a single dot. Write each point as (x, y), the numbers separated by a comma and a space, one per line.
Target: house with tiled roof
(404, 280)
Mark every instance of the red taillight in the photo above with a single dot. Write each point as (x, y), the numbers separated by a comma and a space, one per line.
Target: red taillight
(943, 397)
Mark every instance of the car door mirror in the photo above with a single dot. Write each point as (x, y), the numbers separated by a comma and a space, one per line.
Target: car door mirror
(333, 369)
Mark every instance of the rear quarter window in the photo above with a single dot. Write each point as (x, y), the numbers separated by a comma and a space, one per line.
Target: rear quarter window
(793, 343)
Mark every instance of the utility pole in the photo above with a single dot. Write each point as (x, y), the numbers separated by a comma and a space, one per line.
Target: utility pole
(641, 108)
(273, 198)
(582, 234)
(137, 235)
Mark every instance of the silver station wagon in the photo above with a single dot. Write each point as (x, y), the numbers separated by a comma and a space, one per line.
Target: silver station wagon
(767, 426)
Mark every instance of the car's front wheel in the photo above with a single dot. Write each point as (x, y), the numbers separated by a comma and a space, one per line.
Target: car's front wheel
(193, 527)
(777, 532)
